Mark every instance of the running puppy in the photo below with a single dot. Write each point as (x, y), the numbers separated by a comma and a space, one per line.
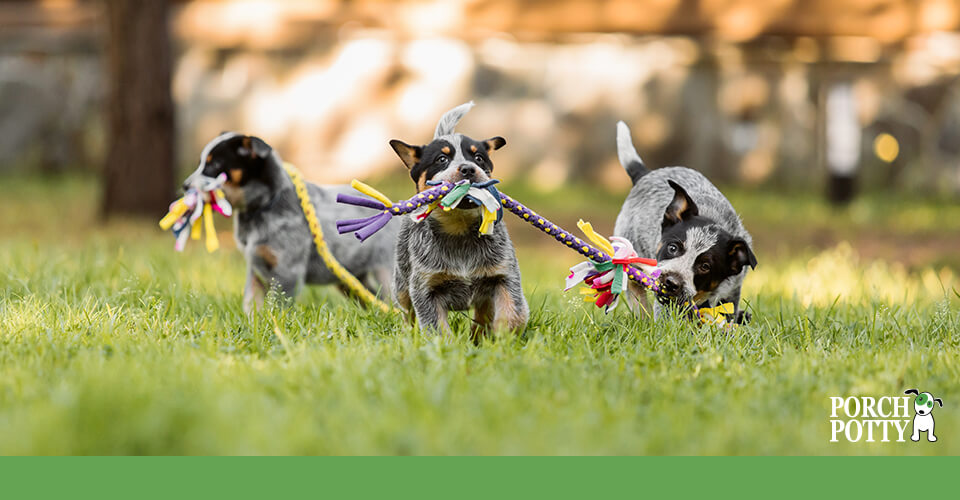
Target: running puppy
(272, 232)
(699, 241)
(443, 263)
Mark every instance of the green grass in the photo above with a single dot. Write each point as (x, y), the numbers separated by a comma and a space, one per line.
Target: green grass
(111, 343)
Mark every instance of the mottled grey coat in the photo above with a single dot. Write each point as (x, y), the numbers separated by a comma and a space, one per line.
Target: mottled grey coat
(642, 217)
(272, 232)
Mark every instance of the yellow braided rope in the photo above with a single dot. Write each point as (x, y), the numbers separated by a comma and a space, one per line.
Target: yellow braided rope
(349, 280)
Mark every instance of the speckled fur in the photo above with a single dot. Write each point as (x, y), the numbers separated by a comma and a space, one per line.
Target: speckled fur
(641, 218)
(443, 263)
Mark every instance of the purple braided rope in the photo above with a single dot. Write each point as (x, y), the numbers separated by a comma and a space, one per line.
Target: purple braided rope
(580, 246)
(364, 228)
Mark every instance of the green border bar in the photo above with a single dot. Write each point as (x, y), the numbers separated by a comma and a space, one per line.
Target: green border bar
(584, 478)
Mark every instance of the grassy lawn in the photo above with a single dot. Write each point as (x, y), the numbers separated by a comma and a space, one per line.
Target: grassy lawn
(112, 343)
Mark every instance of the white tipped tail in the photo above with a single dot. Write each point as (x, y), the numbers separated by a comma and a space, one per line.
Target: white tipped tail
(627, 154)
(450, 119)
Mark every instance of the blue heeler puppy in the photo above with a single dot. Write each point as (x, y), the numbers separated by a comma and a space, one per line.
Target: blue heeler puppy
(443, 263)
(677, 215)
(272, 232)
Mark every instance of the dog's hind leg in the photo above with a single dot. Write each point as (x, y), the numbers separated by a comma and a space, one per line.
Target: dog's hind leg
(483, 313)
(380, 281)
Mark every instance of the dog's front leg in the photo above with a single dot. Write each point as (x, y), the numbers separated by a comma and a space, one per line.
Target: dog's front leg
(510, 310)
(253, 293)
(636, 298)
(430, 311)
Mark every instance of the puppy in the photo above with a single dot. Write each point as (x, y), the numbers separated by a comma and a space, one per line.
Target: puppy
(443, 263)
(272, 232)
(700, 244)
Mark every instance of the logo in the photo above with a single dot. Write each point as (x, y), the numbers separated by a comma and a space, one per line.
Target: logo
(923, 420)
(884, 419)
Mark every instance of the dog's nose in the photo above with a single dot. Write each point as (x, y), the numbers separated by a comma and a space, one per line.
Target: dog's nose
(186, 185)
(670, 284)
(468, 170)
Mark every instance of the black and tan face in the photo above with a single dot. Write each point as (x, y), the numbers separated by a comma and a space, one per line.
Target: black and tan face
(449, 158)
(241, 157)
(695, 254)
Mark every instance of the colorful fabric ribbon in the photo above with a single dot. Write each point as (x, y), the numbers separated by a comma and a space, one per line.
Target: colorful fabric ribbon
(607, 280)
(195, 211)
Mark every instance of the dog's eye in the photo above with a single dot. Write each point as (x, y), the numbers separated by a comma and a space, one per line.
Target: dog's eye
(478, 159)
(703, 268)
(673, 248)
(442, 159)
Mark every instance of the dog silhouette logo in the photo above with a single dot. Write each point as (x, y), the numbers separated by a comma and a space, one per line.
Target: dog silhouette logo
(923, 420)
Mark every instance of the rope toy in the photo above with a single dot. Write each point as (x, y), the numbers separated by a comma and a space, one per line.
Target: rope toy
(198, 202)
(615, 268)
(604, 273)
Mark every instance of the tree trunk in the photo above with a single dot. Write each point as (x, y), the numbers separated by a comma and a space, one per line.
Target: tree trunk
(138, 178)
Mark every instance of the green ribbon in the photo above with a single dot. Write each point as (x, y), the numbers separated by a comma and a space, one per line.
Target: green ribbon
(457, 192)
(618, 275)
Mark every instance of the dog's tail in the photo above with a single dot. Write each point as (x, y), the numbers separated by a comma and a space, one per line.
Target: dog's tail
(450, 119)
(629, 158)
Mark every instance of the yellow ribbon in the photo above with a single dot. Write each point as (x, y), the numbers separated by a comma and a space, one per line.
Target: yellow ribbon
(488, 219)
(716, 315)
(212, 243)
(176, 211)
(598, 240)
(370, 191)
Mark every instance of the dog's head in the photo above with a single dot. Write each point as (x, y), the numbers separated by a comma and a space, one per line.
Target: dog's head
(923, 403)
(450, 156)
(695, 254)
(246, 161)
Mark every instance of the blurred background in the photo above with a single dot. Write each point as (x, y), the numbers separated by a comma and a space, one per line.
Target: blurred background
(823, 101)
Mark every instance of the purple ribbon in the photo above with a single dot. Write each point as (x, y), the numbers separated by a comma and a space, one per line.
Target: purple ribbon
(350, 199)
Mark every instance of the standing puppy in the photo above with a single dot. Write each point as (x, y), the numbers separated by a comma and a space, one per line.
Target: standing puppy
(443, 263)
(272, 232)
(699, 241)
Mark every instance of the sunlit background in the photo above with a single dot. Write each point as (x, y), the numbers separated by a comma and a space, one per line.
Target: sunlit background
(746, 91)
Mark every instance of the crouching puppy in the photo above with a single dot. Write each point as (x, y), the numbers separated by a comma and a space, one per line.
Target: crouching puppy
(272, 232)
(443, 263)
(699, 241)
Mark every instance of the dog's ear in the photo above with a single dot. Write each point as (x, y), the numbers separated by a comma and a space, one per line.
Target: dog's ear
(409, 155)
(495, 143)
(680, 208)
(739, 254)
(939, 401)
(911, 391)
(254, 147)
